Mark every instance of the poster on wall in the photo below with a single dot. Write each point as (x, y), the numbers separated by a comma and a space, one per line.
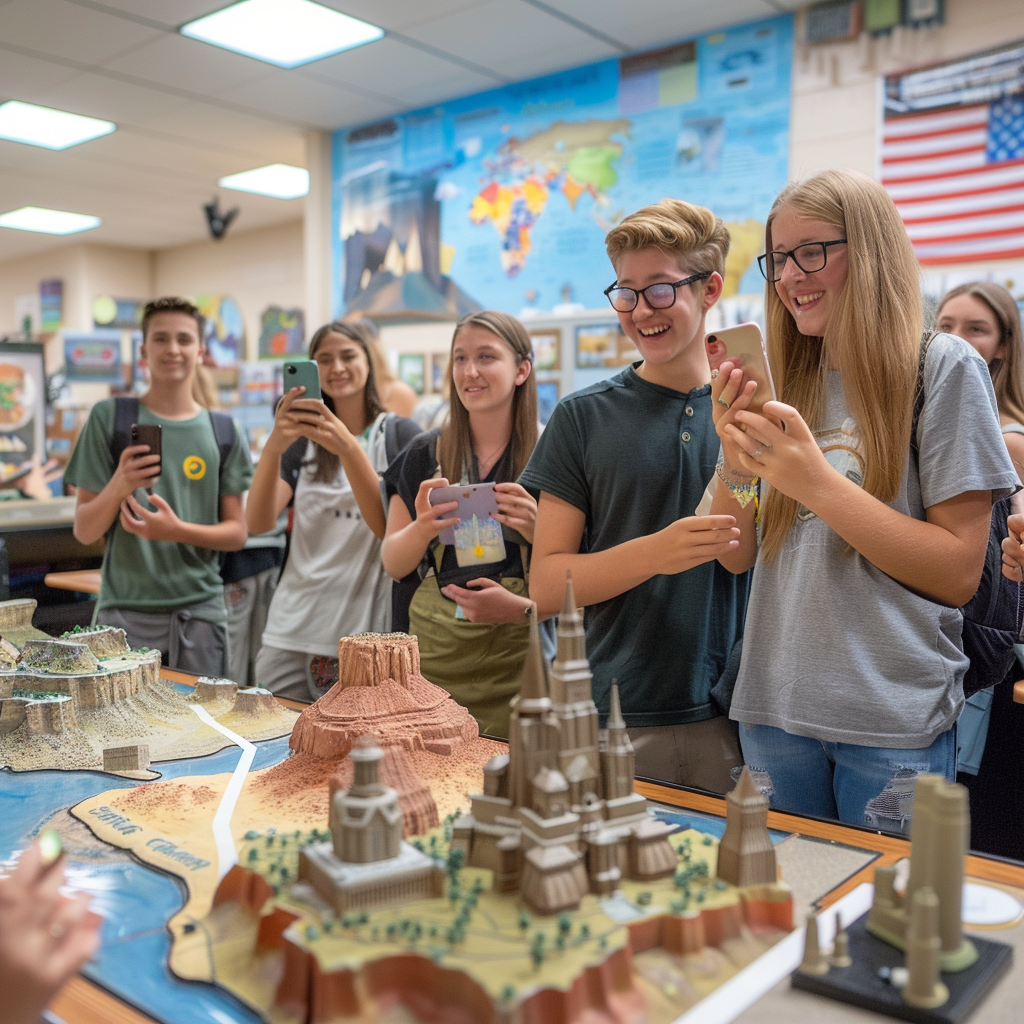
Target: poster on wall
(51, 305)
(282, 333)
(22, 408)
(952, 156)
(502, 199)
(225, 330)
(93, 357)
(125, 314)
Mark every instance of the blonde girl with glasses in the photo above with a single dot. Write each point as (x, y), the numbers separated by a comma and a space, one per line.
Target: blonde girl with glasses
(851, 677)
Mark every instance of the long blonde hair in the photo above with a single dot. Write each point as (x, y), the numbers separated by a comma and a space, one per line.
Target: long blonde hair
(455, 445)
(1007, 369)
(873, 337)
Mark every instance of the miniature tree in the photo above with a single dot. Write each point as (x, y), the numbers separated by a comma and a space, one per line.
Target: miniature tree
(253, 855)
(564, 925)
(524, 922)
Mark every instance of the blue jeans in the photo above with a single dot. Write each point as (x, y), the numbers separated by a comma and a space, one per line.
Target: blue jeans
(871, 786)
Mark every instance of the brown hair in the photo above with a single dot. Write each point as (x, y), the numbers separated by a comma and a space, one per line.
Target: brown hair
(327, 462)
(1007, 369)
(455, 445)
(368, 330)
(873, 336)
(690, 233)
(172, 304)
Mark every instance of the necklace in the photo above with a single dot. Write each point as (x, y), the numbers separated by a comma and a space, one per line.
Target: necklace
(490, 458)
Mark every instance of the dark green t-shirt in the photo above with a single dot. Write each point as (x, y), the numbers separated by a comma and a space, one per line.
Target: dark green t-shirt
(150, 576)
(634, 457)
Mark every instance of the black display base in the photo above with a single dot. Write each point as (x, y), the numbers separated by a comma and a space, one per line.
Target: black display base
(860, 984)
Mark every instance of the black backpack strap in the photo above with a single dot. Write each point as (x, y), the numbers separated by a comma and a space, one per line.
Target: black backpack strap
(390, 438)
(126, 415)
(224, 434)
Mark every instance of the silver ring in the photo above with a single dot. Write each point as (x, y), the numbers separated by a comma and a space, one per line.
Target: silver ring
(758, 452)
(714, 374)
(767, 446)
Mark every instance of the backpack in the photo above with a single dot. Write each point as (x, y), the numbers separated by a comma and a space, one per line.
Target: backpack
(126, 413)
(994, 617)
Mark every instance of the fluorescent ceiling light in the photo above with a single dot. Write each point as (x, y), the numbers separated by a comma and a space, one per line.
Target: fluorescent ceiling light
(282, 181)
(282, 32)
(44, 126)
(50, 222)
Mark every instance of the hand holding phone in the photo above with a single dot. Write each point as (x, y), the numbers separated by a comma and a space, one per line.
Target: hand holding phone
(149, 434)
(744, 347)
(304, 373)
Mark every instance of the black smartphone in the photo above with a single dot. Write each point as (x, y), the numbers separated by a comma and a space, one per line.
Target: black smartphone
(302, 372)
(144, 433)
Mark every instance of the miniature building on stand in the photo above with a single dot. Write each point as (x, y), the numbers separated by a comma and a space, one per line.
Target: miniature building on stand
(745, 854)
(366, 864)
(939, 838)
(558, 815)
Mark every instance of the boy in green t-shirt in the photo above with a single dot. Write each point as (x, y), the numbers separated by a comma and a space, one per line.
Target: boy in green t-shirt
(160, 579)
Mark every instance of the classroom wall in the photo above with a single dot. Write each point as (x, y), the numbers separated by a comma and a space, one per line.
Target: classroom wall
(256, 268)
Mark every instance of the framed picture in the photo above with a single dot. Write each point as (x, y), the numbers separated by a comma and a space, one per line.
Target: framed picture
(597, 345)
(93, 357)
(411, 370)
(547, 346)
(547, 399)
(438, 369)
(22, 406)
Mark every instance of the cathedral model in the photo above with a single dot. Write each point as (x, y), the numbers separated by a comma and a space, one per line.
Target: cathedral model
(558, 815)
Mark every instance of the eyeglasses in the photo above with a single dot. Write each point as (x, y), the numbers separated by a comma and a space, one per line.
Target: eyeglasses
(657, 296)
(810, 258)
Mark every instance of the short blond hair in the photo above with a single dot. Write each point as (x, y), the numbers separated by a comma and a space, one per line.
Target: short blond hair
(693, 234)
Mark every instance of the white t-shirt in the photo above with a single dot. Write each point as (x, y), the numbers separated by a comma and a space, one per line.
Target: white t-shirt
(833, 647)
(333, 584)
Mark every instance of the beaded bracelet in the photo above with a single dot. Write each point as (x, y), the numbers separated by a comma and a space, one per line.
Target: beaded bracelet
(743, 492)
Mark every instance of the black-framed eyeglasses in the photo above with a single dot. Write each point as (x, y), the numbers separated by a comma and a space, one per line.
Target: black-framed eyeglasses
(809, 257)
(657, 296)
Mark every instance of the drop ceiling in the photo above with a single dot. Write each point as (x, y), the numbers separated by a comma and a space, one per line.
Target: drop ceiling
(188, 113)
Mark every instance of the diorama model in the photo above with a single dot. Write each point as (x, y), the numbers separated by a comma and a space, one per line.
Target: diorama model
(87, 701)
(945, 974)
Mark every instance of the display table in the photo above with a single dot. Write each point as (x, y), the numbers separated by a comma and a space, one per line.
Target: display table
(82, 1002)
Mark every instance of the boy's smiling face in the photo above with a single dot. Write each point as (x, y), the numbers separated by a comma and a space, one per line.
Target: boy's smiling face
(671, 340)
(172, 347)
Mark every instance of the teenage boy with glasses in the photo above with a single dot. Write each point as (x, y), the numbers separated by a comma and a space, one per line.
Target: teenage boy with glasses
(619, 470)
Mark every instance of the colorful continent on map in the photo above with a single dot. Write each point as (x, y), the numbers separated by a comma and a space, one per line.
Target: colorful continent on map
(571, 158)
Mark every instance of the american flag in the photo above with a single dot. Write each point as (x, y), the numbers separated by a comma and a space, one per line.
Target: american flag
(955, 166)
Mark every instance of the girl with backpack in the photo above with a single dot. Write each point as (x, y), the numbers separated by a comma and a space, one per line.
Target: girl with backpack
(325, 459)
(472, 622)
(851, 678)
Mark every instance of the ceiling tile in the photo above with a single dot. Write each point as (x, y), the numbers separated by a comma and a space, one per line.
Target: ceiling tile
(25, 78)
(241, 134)
(188, 64)
(66, 30)
(309, 102)
(513, 38)
(100, 96)
(172, 13)
(394, 15)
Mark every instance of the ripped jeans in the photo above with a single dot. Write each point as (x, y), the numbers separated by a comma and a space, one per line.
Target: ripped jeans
(869, 786)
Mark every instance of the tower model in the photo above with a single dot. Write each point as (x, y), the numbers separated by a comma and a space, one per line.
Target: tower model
(745, 854)
(558, 815)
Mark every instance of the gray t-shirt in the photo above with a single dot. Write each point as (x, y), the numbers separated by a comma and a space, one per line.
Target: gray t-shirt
(833, 647)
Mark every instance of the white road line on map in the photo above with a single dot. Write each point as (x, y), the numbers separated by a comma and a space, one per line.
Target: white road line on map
(227, 855)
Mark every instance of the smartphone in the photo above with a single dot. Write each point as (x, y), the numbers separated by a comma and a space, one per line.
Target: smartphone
(148, 434)
(744, 346)
(477, 538)
(303, 372)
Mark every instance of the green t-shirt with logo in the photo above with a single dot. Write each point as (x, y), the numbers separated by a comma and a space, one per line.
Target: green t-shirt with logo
(152, 576)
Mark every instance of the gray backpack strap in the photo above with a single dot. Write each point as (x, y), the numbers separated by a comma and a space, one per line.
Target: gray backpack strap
(126, 415)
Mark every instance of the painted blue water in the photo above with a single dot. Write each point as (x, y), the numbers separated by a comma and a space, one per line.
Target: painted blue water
(709, 823)
(136, 900)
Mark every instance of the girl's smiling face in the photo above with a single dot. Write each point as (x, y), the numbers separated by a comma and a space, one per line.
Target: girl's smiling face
(485, 371)
(343, 367)
(809, 297)
(970, 318)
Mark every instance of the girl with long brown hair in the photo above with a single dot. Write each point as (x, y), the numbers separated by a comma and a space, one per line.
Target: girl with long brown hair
(472, 631)
(325, 459)
(852, 669)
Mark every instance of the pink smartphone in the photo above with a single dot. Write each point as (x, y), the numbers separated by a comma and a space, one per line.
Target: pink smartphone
(744, 346)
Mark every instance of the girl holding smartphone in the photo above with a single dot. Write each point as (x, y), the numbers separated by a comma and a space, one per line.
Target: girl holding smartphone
(851, 677)
(473, 632)
(325, 459)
